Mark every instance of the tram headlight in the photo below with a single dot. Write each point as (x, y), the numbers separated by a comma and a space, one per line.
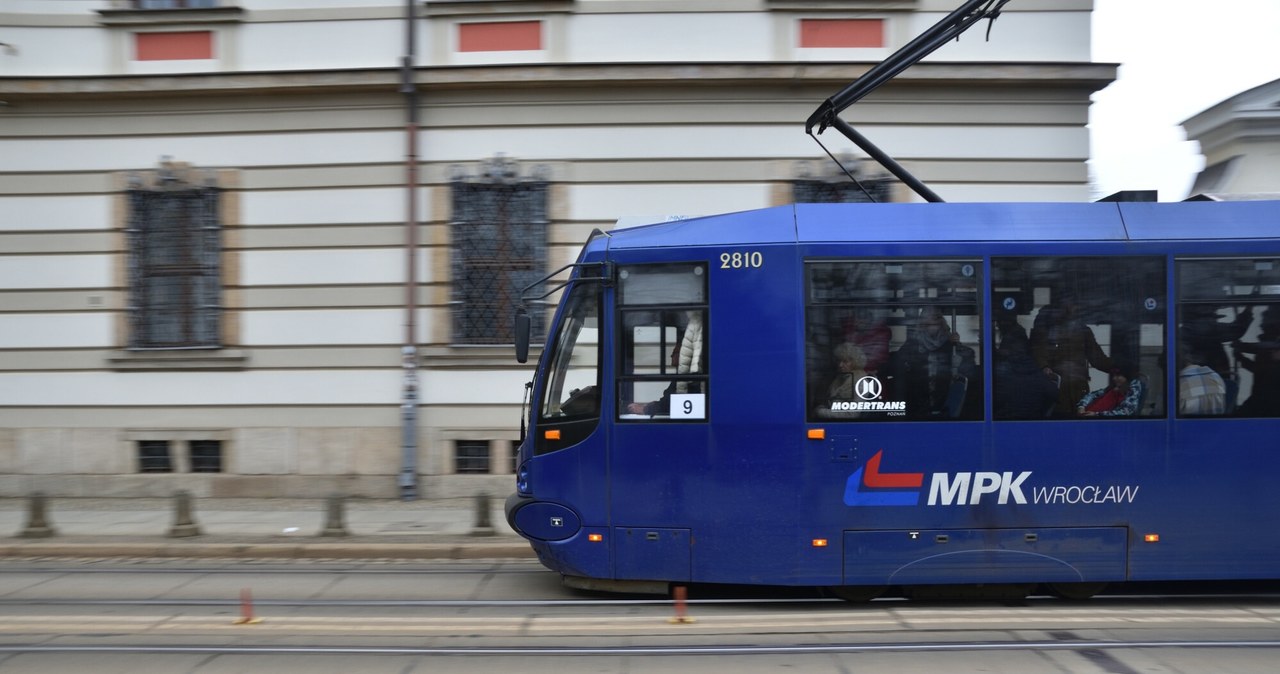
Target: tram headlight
(522, 480)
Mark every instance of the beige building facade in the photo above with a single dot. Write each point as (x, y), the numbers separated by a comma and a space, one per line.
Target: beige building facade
(287, 116)
(1240, 140)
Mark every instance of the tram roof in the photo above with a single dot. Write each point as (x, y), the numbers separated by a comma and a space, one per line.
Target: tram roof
(1102, 221)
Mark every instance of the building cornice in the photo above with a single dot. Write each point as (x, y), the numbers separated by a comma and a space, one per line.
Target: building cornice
(1078, 76)
(166, 17)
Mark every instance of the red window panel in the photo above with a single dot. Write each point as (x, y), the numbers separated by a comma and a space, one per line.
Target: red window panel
(500, 36)
(173, 46)
(841, 33)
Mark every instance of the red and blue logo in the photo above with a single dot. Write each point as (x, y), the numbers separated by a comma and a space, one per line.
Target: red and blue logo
(870, 487)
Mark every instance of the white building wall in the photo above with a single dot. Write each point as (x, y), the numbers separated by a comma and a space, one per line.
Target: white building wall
(630, 117)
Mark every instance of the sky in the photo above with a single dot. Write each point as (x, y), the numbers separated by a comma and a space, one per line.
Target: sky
(1177, 58)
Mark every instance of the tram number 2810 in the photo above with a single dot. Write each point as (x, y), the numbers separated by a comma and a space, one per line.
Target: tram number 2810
(741, 260)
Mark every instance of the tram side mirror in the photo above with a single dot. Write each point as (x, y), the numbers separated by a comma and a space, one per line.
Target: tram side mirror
(523, 328)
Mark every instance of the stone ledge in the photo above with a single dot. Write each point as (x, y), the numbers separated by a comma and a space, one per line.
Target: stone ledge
(178, 360)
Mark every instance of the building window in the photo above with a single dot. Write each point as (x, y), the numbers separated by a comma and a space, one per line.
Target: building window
(175, 46)
(206, 456)
(841, 33)
(500, 36)
(830, 184)
(154, 456)
(471, 457)
(175, 4)
(174, 238)
(499, 231)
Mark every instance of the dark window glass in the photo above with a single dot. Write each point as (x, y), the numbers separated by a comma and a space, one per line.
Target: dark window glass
(1078, 337)
(663, 342)
(893, 340)
(571, 380)
(206, 456)
(1229, 337)
(175, 4)
(471, 457)
(499, 232)
(154, 456)
(840, 190)
(175, 269)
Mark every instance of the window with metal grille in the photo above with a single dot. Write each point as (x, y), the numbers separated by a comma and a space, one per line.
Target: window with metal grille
(154, 456)
(175, 4)
(840, 191)
(206, 456)
(175, 247)
(471, 457)
(499, 231)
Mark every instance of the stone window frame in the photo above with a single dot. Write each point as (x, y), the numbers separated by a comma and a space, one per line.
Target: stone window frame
(226, 356)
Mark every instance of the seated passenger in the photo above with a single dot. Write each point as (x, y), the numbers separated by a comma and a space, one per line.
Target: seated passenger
(1201, 391)
(871, 336)
(851, 362)
(926, 364)
(1120, 399)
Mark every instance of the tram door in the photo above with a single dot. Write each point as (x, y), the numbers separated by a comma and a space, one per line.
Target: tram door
(661, 431)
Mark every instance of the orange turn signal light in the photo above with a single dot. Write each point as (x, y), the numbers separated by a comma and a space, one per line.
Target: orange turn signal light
(817, 434)
(1151, 538)
(819, 542)
(595, 538)
(552, 435)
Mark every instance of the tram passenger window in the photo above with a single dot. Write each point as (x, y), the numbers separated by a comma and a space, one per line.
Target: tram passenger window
(1229, 337)
(1078, 337)
(662, 342)
(893, 339)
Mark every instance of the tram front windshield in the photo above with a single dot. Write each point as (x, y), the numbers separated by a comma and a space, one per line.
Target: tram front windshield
(572, 375)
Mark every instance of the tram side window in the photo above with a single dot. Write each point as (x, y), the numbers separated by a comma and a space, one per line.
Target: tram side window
(891, 340)
(1228, 337)
(1078, 337)
(662, 342)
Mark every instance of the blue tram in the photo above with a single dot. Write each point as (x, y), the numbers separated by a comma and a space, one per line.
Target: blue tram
(869, 395)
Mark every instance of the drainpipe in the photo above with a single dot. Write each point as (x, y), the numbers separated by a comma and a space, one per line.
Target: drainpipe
(408, 481)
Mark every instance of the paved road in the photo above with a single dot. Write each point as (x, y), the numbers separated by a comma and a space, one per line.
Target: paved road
(512, 615)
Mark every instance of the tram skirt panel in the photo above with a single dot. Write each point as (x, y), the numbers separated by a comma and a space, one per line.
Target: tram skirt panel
(924, 557)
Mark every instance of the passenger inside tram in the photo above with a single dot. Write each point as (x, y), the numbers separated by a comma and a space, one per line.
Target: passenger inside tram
(932, 368)
(1064, 346)
(1262, 359)
(1201, 391)
(1022, 389)
(1122, 397)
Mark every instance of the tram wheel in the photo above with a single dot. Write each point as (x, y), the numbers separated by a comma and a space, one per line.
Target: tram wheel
(857, 594)
(1076, 591)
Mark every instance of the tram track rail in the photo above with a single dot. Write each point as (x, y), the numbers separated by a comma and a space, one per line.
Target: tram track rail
(710, 650)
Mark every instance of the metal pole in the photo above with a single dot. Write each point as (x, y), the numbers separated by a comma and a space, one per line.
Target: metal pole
(885, 160)
(408, 481)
